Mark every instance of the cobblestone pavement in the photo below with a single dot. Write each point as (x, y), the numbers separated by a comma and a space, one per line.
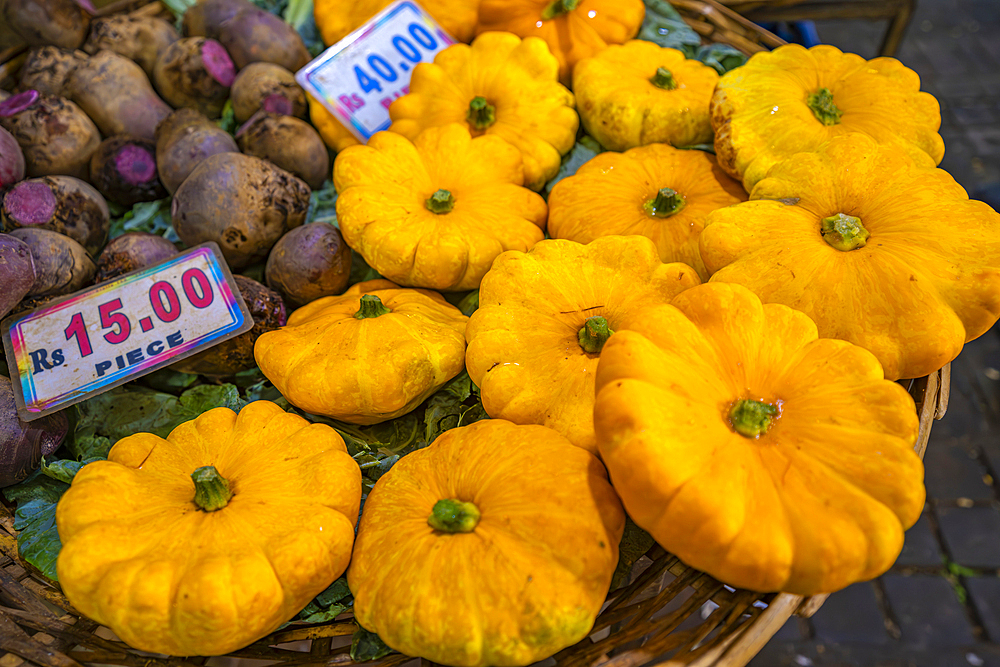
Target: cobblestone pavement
(940, 604)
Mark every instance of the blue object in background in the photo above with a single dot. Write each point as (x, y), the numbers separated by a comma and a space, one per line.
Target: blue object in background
(796, 32)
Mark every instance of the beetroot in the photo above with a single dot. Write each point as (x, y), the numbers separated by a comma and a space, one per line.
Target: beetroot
(11, 160)
(18, 272)
(48, 69)
(288, 142)
(195, 72)
(205, 18)
(138, 38)
(23, 444)
(253, 35)
(62, 265)
(123, 169)
(309, 262)
(61, 204)
(54, 134)
(39, 22)
(183, 140)
(132, 251)
(267, 86)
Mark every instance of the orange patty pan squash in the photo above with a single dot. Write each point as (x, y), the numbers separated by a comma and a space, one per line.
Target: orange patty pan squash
(500, 85)
(640, 93)
(337, 18)
(543, 317)
(495, 545)
(753, 450)
(334, 133)
(573, 29)
(436, 212)
(890, 256)
(793, 99)
(204, 542)
(656, 191)
(371, 354)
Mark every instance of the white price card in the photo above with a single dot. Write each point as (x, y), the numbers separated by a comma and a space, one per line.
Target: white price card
(359, 77)
(88, 342)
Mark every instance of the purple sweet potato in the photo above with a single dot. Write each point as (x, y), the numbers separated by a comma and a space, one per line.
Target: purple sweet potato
(288, 142)
(243, 203)
(130, 252)
(236, 354)
(183, 140)
(56, 136)
(39, 22)
(17, 270)
(309, 262)
(123, 169)
(48, 69)
(11, 160)
(62, 265)
(267, 86)
(195, 72)
(253, 35)
(61, 204)
(116, 93)
(23, 444)
(138, 38)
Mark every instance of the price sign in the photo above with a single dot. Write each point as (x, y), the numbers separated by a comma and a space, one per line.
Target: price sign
(91, 341)
(359, 77)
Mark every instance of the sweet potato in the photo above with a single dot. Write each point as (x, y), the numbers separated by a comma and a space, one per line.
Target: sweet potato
(130, 252)
(183, 140)
(39, 22)
(309, 262)
(56, 136)
(253, 35)
(288, 142)
(23, 444)
(62, 265)
(123, 169)
(48, 69)
(195, 72)
(117, 95)
(241, 202)
(138, 38)
(17, 271)
(269, 87)
(61, 204)
(11, 160)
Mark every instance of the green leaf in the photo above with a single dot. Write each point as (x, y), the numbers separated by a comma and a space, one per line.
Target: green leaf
(367, 646)
(169, 381)
(452, 406)
(721, 56)
(584, 151)
(329, 604)
(470, 303)
(227, 121)
(634, 543)
(35, 520)
(323, 205)
(299, 15)
(64, 470)
(360, 271)
(664, 26)
(178, 7)
(147, 216)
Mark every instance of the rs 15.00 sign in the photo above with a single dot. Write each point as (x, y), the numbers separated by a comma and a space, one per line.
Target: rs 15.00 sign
(91, 341)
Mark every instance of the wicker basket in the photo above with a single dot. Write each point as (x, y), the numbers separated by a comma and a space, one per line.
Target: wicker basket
(668, 615)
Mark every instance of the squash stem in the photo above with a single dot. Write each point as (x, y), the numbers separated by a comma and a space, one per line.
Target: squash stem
(453, 516)
(440, 202)
(594, 334)
(844, 232)
(481, 113)
(822, 106)
(371, 306)
(663, 79)
(751, 418)
(211, 490)
(558, 8)
(666, 203)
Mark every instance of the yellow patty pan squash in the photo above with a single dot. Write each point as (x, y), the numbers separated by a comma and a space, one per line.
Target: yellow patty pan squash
(573, 29)
(656, 191)
(495, 545)
(436, 212)
(754, 450)
(890, 256)
(500, 85)
(333, 132)
(543, 317)
(204, 542)
(640, 93)
(791, 100)
(337, 18)
(371, 354)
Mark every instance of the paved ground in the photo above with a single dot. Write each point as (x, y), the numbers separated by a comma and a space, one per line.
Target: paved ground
(940, 605)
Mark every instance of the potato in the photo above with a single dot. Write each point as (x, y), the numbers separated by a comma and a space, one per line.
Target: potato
(138, 38)
(253, 35)
(48, 69)
(56, 136)
(40, 22)
(130, 252)
(62, 204)
(243, 203)
(123, 169)
(288, 142)
(183, 140)
(309, 262)
(195, 72)
(267, 86)
(62, 265)
(117, 95)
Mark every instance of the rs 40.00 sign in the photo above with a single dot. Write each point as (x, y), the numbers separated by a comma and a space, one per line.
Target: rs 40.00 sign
(94, 340)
